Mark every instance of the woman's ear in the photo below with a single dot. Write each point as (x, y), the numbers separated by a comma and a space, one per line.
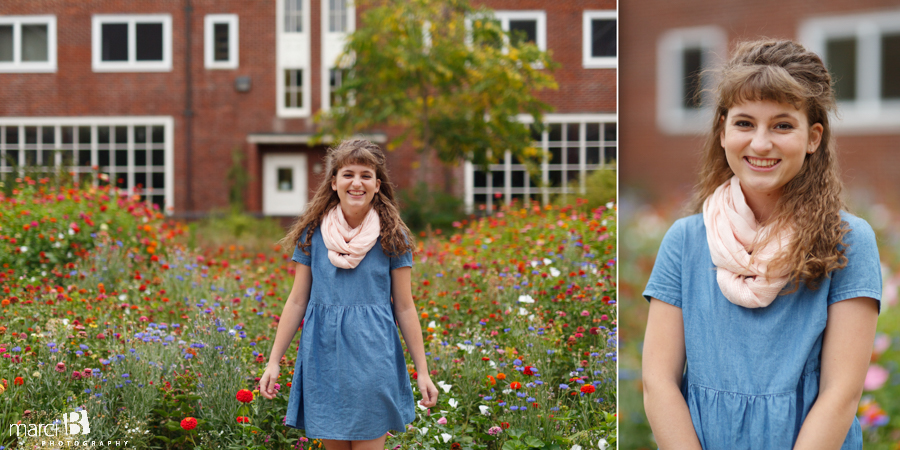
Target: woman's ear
(815, 137)
(722, 130)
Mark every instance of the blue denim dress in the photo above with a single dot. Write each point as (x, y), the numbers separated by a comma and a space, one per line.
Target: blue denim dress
(752, 375)
(350, 380)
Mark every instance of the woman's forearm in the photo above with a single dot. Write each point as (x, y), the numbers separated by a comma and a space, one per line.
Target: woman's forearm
(291, 316)
(827, 423)
(669, 416)
(408, 320)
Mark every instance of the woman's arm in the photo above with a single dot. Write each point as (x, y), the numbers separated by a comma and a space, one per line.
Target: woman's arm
(846, 351)
(662, 368)
(291, 316)
(408, 319)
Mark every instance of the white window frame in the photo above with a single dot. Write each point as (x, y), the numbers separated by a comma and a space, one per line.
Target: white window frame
(671, 115)
(600, 62)
(869, 113)
(506, 165)
(333, 44)
(293, 51)
(19, 66)
(132, 65)
(209, 23)
(167, 122)
(540, 16)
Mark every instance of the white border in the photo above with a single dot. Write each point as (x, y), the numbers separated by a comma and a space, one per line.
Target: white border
(168, 123)
(209, 41)
(540, 16)
(132, 65)
(671, 116)
(868, 113)
(283, 42)
(19, 66)
(600, 62)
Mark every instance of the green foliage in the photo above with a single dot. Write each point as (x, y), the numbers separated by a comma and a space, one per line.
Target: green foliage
(421, 208)
(238, 178)
(235, 228)
(454, 87)
(600, 189)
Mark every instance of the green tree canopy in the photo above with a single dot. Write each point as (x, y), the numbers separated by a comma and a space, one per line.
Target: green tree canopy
(445, 72)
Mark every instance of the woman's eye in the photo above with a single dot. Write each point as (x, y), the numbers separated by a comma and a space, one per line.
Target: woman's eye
(784, 126)
(742, 124)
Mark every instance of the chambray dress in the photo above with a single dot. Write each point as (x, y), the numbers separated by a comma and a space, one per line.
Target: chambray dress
(350, 380)
(752, 375)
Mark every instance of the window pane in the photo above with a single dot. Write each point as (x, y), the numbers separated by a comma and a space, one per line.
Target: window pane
(890, 66)
(115, 42)
(293, 16)
(140, 134)
(159, 180)
(498, 179)
(121, 135)
(84, 157)
(220, 42)
(841, 57)
(68, 136)
(12, 135)
(159, 159)
(6, 43)
(479, 179)
(140, 180)
(157, 135)
(518, 179)
(31, 135)
(609, 132)
(521, 31)
(34, 43)
(102, 135)
(555, 156)
(603, 37)
(149, 40)
(103, 158)
(692, 61)
(140, 158)
(122, 158)
(48, 135)
(285, 179)
(592, 132)
(337, 18)
(84, 135)
(48, 158)
(555, 132)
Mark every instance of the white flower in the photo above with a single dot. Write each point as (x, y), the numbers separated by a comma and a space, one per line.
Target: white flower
(485, 410)
(547, 262)
(523, 311)
(23, 249)
(526, 299)
(446, 437)
(104, 227)
(123, 297)
(453, 402)
(535, 263)
(492, 363)
(602, 444)
(423, 430)
(466, 347)
(71, 231)
(576, 447)
(446, 387)
(554, 272)
(610, 205)
(421, 407)
(432, 324)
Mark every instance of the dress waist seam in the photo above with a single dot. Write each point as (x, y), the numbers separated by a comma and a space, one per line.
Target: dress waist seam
(743, 394)
(354, 305)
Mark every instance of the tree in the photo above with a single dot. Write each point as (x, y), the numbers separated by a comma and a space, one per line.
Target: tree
(445, 72)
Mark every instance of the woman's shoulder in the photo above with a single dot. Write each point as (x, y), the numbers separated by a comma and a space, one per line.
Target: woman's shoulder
(859, 231)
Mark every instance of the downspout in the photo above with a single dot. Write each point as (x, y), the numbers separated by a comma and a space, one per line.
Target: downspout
(188, 108)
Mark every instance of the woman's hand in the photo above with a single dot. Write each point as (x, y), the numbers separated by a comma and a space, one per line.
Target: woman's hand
(268, 380)
(427, 389)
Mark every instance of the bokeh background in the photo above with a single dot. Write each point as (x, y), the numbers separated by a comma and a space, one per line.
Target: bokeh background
(665, 45)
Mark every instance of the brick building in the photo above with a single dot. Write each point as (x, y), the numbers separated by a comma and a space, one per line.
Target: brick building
(160, 93)
(663, 43)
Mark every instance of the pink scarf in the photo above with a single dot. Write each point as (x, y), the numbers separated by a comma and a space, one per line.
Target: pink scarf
(348, 246)
(731, 230)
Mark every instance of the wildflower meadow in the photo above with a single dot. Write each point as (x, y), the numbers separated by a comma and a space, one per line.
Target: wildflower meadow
(879, 410)
(109, 314)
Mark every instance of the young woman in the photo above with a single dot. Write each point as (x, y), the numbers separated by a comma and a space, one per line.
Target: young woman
(354, 256)
(763, 308)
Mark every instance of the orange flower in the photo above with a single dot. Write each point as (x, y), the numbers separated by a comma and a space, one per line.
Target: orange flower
(501, 376)
(491, 380)
(517, 385)
(588, 389)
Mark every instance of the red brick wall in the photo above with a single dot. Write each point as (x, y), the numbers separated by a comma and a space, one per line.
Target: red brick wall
(660, 164)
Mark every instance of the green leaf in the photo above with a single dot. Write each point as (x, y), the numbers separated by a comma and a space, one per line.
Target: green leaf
(533, 442)
(164, 439)
(513, 444)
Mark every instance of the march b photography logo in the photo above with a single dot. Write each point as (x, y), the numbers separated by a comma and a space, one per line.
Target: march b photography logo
(67, 432)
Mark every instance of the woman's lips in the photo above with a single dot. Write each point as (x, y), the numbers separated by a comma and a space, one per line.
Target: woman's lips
(762, 164)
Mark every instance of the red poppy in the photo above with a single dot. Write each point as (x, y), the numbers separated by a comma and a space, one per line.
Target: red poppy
(189, 423)
(588, 389)
(19, 381)
(528, 370)
(504, 425)
(244, 396)
(515, 385)
(243, 419)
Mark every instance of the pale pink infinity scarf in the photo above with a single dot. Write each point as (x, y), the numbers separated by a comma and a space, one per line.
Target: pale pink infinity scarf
(731, 230)
(348, 246)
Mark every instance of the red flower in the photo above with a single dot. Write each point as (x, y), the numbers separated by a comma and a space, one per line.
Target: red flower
(528, 370)
(515, 385)
(189, 423)
(19, 381)
(588, 389)
(504, 425)
(243, 419)
(244, 396)
(455, 446)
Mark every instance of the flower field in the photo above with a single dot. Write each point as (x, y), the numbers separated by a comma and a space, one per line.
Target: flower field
(108, 311)
(879, 410)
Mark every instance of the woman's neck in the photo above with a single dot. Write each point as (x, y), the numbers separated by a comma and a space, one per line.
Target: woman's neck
(762, 204)
(355, 217)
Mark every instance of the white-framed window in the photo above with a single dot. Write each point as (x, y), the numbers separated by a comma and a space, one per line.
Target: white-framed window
(530, 26)
(862, 53)
(293, 74)
(133, 153)
(599, 39)
(28, 43)
(683, 103)
(573, 145)
(338, 15)
(132, 43)
(221, 41)
(338, 21)
(336, 78)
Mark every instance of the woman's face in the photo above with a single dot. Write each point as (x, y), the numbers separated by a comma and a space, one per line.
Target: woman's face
(765, 144)
(356, 186)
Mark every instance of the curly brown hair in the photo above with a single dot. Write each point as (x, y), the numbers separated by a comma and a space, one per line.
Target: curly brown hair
(396, 239)
(786, 72)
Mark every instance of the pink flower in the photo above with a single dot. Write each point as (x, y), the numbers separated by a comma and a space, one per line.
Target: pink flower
(875, 378)
(585, 313)
(60, 367)
(76, 375)
(604, 317)
(442, 421)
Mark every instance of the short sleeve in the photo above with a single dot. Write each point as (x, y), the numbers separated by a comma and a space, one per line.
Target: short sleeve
(404, 260)
(299, 256)
(862, 275)
(665, 279)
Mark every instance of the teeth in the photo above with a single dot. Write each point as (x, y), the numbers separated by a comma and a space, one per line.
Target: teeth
(356, 192)
(757, 162)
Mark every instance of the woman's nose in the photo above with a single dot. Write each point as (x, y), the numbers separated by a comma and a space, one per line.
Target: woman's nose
(761, 141)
